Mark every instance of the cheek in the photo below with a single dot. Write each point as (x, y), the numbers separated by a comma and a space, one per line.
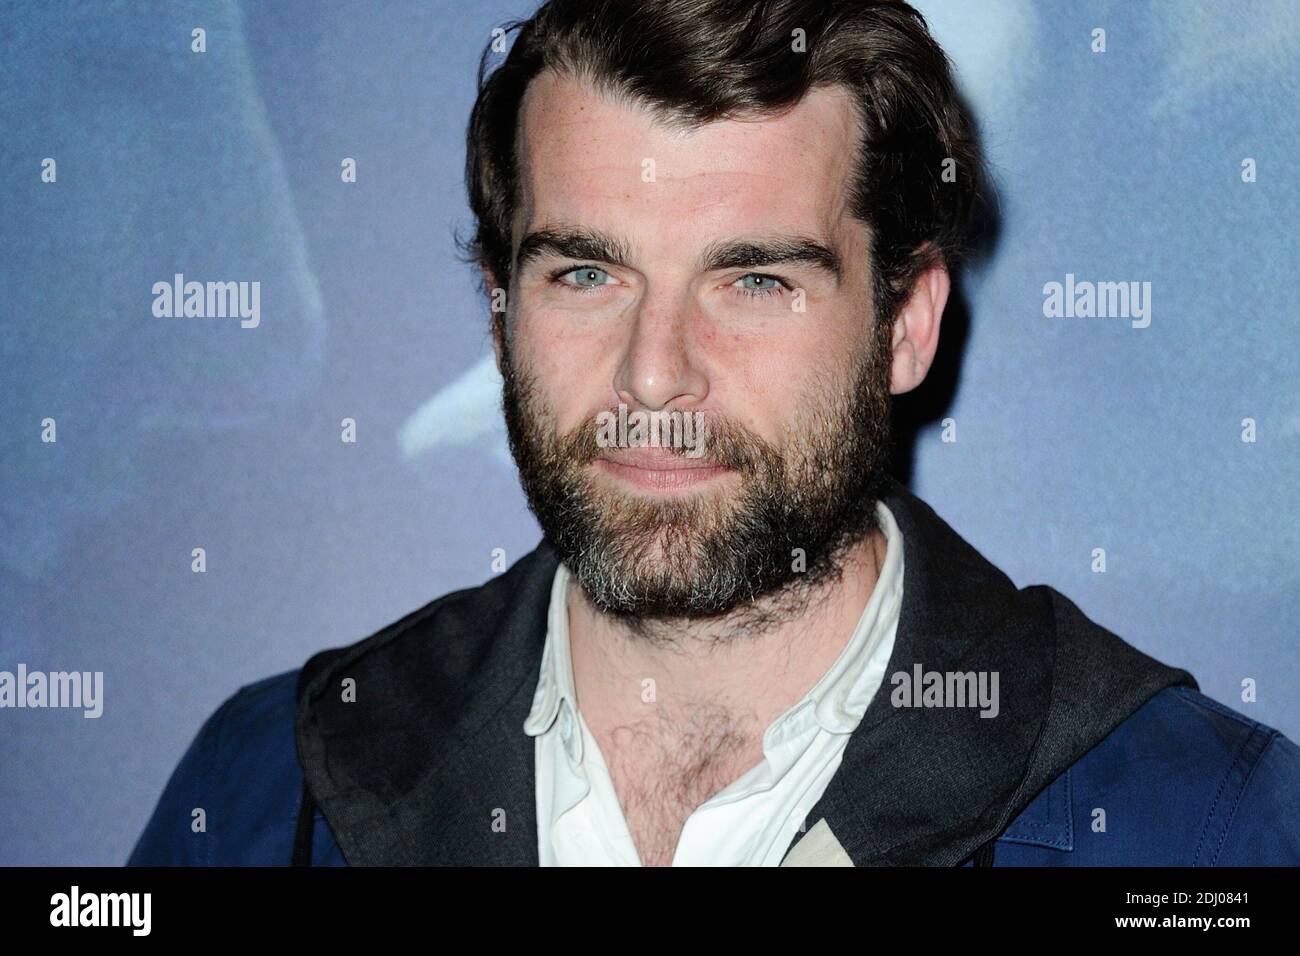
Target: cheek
(767, 372)
(568, 359)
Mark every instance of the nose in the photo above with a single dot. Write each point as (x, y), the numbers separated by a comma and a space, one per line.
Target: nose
(660, 365)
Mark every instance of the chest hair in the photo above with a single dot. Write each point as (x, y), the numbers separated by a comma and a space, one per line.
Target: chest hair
(666, 765)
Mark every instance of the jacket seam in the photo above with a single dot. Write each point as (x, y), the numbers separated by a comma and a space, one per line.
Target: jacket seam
(1250, 775)
(1209, 703)
(1237, 766)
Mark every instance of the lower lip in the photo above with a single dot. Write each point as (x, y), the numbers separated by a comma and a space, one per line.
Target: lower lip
(664, 479)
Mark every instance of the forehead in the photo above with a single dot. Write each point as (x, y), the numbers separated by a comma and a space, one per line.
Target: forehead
(587, 159)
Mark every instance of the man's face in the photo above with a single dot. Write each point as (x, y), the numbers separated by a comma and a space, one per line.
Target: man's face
(717, 271)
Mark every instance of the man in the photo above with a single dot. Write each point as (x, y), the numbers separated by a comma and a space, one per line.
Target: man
(745, 645)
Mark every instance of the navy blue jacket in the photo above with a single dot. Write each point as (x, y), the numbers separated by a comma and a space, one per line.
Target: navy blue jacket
(1099, 755)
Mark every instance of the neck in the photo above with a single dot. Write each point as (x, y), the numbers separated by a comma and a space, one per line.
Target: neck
(725, 662)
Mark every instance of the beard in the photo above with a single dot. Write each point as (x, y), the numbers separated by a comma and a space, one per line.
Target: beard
(757, 554)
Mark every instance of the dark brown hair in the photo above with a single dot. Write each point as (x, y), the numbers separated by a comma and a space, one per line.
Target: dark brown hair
(696, 61)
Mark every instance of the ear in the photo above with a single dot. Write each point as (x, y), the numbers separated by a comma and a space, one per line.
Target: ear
(916, 330)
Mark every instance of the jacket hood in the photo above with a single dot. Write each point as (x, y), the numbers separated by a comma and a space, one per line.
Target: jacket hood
(428, 763)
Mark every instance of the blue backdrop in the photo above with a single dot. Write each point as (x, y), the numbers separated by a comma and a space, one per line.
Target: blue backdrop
(1169, 158)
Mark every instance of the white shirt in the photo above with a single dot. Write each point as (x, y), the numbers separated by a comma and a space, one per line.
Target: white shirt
(754, 819)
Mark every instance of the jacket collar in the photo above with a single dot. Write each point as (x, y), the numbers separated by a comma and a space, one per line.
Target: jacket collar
(930, 786)
(429, 763)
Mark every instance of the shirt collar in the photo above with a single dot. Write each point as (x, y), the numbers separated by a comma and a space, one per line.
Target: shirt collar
(842, 695)
(556, 695)
(838, 700)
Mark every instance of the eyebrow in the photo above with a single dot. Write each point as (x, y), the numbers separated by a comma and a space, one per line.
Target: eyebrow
(572, 244)
(592, 244)
(753, 253)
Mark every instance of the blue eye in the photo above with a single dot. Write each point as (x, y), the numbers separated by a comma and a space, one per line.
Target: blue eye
(756, 285)
(586, 277)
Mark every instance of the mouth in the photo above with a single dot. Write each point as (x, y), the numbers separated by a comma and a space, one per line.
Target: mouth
(656, 470)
